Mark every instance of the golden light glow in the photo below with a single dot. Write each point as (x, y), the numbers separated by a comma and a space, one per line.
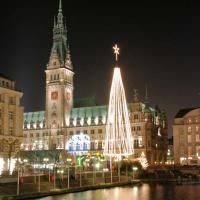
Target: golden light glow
(118, 140)
(116, 51)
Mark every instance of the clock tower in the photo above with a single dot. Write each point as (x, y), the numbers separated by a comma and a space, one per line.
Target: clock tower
(59, 78)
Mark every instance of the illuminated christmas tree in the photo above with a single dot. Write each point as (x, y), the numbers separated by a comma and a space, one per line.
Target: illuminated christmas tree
(143, 161)
(118, 140)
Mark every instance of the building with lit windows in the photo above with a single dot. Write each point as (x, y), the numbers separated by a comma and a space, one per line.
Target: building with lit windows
(11, 123)
(79, 126)
(186, 134)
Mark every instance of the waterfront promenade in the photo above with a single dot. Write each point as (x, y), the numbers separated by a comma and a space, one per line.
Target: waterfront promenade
(44, 185)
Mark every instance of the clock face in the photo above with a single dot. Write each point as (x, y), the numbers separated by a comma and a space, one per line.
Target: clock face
(54, 95)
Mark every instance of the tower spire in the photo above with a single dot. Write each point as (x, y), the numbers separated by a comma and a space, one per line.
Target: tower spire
(146, 102)
(146, 94)
(60, 6)
(135, 96)
(60, 15)
(54, 21)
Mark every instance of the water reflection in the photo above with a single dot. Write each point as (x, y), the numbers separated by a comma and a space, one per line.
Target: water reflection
(142, 192)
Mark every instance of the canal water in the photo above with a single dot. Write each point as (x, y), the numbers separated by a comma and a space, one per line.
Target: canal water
(142, 192)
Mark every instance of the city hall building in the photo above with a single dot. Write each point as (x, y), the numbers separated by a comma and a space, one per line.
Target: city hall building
(79, 126)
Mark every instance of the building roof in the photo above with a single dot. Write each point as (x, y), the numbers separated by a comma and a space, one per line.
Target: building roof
(80, 112)
(86, 102)
(5, 77)
(33, 117)
(94, 111)
(182, 112)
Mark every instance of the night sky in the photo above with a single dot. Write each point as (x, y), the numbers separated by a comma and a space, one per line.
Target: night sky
(160, 47)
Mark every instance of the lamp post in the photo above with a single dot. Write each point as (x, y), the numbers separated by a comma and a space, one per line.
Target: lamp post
(68, 164)
(54, 174)
(80, 178)
(46, 160)
(134, 170)
(94, 171)
(25, 161)
(39, 181)
(18, 170)
(68, 177)
(119, 171)
(111, 176)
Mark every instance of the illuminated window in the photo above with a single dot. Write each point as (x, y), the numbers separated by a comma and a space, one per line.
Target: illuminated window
(136, 143)
(189, 138)
(92, 146)
(197, 128)
(11, 131)
(197, 138)
(140, 142)
(189, 129)
(78, 132)
(71, 132)
(136, 155)
(92, 131)
(12, 100)
(11, 115)
(182, 139)
(189, 151)
(99, 131)
(198, 151)
(1, 130)
(100, 145)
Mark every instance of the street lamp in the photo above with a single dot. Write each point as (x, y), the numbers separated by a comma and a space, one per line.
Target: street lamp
(18, 176)
(134, 170)
(25, 161)
(46, 160)
(60, 172)
(68, 161)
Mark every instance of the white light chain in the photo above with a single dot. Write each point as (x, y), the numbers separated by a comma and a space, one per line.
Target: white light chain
(118, 140)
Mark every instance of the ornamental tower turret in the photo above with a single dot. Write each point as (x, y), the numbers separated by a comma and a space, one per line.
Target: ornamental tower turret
(147, 111)
(59, 77)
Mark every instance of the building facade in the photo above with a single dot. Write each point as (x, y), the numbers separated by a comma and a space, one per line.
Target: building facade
(11, 122)
(170, 152)
(80, 126)
(186, 134)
